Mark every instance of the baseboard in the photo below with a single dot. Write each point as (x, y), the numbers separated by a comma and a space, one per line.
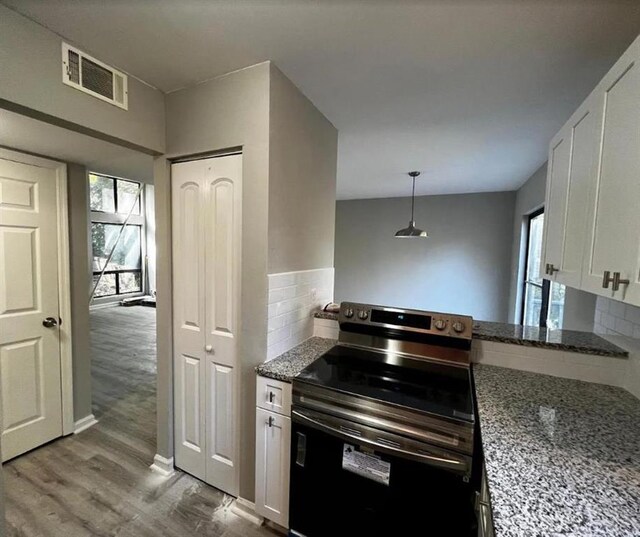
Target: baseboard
(162, 465)
(247, 510)
(84, 423)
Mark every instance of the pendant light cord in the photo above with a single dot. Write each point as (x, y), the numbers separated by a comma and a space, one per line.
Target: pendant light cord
(413, 197)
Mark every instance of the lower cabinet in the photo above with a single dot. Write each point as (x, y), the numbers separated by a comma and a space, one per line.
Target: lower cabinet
(273, 441)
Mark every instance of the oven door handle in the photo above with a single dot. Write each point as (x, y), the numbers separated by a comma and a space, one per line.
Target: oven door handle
(433, 460)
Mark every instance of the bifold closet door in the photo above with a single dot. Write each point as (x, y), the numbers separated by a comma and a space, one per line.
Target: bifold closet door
(207, 219)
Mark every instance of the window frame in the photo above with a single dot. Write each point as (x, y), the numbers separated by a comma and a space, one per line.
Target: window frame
(116, 218)
(545, 286)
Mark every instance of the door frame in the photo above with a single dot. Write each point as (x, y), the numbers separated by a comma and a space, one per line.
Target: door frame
(64, 277)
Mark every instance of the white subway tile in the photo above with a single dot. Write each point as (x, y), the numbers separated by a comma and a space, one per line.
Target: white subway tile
(624, 327)
(617, 309)
(609, 321)
(291, 306)
(275, 322)
(632, 315)
(282, 293)
(278, 335)
(602, 304)
(283, 279)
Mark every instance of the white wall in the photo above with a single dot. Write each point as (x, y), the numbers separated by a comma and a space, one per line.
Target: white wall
(463, 267)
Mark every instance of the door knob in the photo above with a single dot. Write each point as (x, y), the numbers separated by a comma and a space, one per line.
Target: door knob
(209, 348)
(49, 322)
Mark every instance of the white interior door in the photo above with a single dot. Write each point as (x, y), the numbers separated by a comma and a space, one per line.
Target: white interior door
(206, 207)
(30, 366)
(223, 198)
(188, 316)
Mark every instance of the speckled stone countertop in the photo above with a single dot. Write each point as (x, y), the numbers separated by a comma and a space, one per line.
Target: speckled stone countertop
(566, 340)
(562, 456)
(326, 315)
(289, 364)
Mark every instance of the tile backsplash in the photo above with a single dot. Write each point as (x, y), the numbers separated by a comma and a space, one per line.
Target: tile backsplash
(293, 297)
(616, 318)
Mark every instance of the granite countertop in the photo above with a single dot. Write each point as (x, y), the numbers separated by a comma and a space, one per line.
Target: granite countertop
(565, 340)
(289, 364)
(562, 456)
(326, 315)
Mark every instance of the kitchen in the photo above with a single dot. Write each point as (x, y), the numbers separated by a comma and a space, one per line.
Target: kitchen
(397, 268)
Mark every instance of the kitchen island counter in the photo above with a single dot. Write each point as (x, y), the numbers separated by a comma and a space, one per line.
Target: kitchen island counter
(562, 456)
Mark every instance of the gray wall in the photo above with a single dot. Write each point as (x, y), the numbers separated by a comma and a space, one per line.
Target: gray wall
(229, 111)
(529, 198)
(303, 148)
(31, 83)
(79, 247)
(464, 267)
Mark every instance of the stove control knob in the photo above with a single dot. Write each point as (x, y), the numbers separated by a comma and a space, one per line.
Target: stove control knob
(363, 315)
(440, 324)
(458, 327)
(348, 313)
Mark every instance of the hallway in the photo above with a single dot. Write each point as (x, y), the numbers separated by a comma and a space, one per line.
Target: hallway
(98, 482)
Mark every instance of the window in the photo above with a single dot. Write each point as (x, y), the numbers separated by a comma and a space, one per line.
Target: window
(543, 301)
(115, 246)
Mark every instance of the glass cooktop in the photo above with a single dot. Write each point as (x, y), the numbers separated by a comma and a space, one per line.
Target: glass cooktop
(430, 387)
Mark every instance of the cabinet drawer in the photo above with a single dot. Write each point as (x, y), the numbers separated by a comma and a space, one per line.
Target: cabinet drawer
(273, 395)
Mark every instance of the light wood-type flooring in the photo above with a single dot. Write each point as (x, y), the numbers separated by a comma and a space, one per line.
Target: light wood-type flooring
(98, 482)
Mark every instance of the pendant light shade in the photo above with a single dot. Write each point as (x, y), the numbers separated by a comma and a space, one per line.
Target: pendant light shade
(411, 231)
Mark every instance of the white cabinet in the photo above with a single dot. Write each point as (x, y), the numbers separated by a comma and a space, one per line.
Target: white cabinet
(206, 208)
(274, 395)
(592, 222)
(273, 449)
(613, 240)
(569, 179)
(273, 440)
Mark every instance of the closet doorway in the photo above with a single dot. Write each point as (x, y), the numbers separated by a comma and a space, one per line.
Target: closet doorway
(206, 237)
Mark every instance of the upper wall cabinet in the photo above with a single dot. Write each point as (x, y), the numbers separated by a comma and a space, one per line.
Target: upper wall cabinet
(569, 179)
(612, 255)
(592, 228)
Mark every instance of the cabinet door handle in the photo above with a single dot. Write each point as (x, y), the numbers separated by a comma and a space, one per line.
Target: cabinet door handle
(606, 279)
(550, 269)
(617, 281)
(271, 397)
(270, 421)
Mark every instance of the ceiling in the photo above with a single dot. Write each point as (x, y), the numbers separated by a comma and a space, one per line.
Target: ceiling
(467, 91)
(33, 136)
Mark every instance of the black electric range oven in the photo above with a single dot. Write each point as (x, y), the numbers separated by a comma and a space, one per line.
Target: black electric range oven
(383, 429)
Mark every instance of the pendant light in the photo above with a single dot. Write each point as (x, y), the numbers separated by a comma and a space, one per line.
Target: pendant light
(412, 232)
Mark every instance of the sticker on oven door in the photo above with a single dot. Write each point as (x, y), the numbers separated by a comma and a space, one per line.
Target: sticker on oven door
(364, 465)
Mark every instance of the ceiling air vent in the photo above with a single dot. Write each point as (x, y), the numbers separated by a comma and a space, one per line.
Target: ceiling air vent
(87, 74)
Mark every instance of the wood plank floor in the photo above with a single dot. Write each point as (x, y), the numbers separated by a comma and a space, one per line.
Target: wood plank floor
(98, 482)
